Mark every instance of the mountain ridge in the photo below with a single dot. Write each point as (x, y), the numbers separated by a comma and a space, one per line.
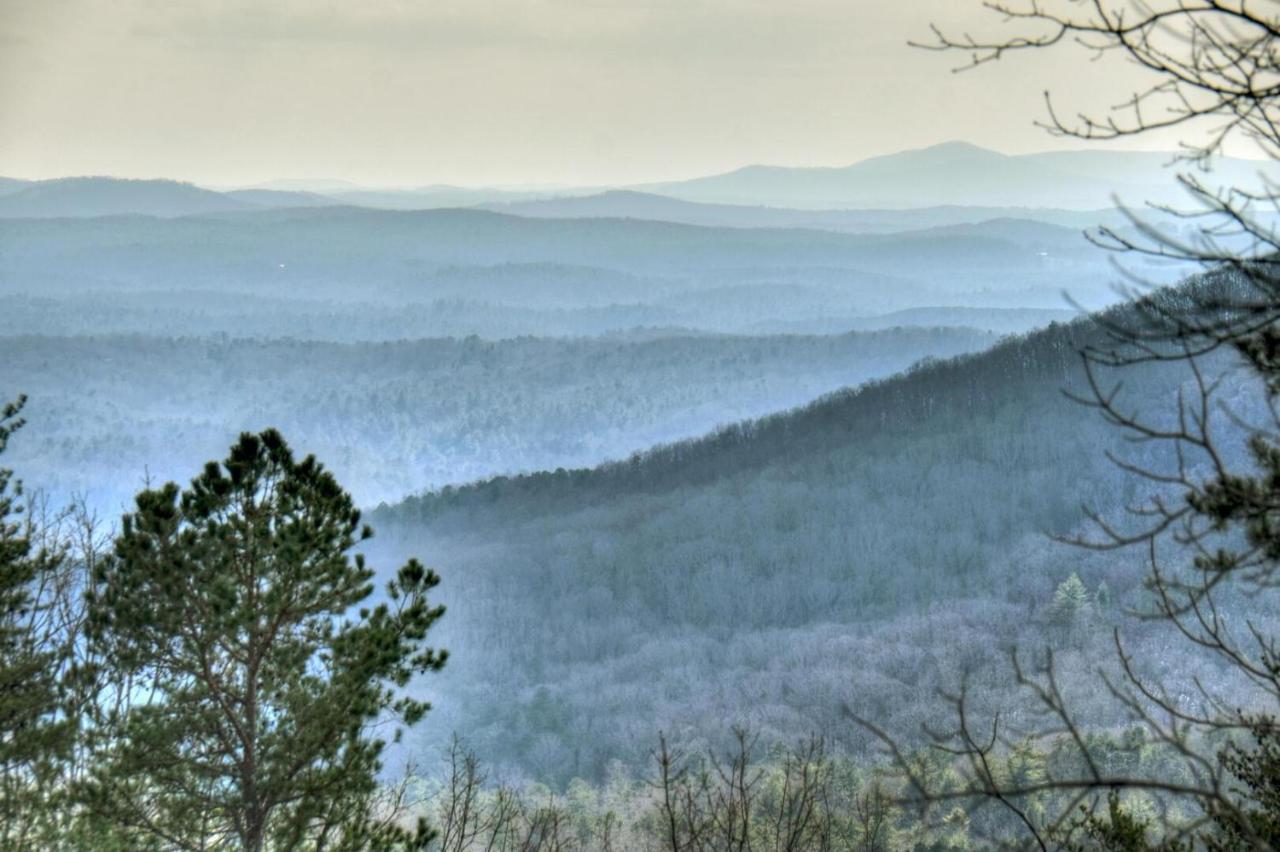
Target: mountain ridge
(635, 204)
(683, 455)
(769, 540)
(960, 173)
(95, 196)
(949, 175)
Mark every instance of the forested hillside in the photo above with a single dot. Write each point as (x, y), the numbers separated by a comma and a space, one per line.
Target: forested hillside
(394, 418)
(100, 196)
(370, 255)
(760, 308)
(685, 588)
(629, 204)
(635, 427)
(335, 242)
(861, 551)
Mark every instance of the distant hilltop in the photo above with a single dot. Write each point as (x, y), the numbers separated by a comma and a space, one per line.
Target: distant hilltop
(956, 175)
(105, 196)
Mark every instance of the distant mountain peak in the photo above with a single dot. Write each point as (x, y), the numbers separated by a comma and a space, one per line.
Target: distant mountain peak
(955, 148)
(110, 196)
(110, 180)
(943, 154)
(958, 146)
(956, 173)
(9, 185)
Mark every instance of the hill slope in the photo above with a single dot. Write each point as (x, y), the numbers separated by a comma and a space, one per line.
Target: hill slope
(9, 185)
(629, 204)
(358, 253)
(280, 198)
(100, 196)
(394, 418)
(961, 174)
(779, 568)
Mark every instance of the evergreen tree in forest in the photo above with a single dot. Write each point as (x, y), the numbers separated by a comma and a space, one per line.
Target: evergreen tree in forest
(1102, 597)
(253, 666)
(1071, 602)
(34, 735)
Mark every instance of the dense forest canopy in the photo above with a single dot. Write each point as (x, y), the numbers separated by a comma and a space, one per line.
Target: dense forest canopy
(357, 254)
(397, 417)
(858, 504)
(758, 571)
(677, 478)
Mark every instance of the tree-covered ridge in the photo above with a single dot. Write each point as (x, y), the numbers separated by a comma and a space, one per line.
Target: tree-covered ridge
(342, 252)
(460, 236)
(880, 407)
(393, 418)
(517, 302)
(860, 551)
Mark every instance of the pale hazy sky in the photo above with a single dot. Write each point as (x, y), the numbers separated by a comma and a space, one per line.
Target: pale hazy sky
(407, 92)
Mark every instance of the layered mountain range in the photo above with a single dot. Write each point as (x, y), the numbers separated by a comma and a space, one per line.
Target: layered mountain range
(772, 446)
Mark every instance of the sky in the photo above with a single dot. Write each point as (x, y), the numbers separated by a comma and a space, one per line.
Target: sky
(501, 92)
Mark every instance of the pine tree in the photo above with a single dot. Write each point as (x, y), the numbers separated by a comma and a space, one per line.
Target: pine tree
(252, 662)
(1070, 601)
(34, 734)
(1102, 597)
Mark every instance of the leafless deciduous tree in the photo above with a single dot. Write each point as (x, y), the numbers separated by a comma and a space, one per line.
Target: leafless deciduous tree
(472, 815)
(45, 676)
(737, 803)
(1208, 522)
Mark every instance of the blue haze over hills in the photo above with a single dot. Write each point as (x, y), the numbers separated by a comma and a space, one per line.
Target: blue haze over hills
(727, 431)
(948, 237)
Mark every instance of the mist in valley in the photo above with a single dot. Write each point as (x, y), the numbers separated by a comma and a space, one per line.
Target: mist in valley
(722, 492)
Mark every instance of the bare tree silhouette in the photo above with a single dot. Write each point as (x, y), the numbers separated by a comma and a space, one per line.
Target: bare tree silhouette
(1208, 523)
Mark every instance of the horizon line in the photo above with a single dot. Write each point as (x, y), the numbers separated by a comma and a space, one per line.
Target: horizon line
(581, 188)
